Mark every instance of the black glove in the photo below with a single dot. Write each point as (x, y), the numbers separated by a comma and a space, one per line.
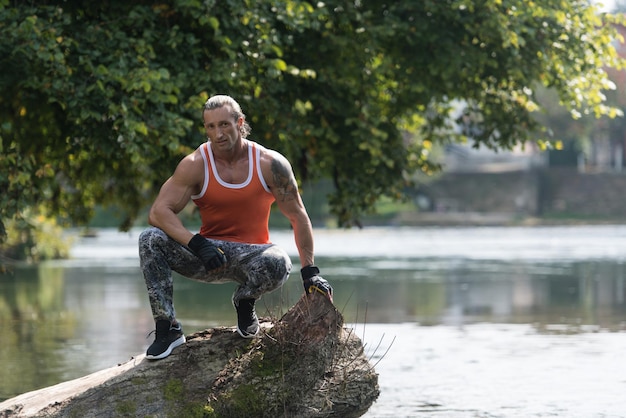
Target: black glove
(313, 282)
(211, 256)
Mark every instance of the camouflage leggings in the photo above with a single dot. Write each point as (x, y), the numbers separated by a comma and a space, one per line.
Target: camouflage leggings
(257, 268)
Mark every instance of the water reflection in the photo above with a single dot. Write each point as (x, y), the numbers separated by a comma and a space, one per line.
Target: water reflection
(457, 292)
(64, 320)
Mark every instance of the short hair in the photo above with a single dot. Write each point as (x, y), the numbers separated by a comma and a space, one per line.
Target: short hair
(221, 100)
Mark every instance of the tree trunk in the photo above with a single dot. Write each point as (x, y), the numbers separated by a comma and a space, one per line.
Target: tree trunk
(305, 365)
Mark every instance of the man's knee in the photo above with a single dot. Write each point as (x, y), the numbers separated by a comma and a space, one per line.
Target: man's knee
(147, 236)
(278, 259)
(153, 244)
(279, 264)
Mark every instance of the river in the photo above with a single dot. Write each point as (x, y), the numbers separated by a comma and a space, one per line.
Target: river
(459, 322)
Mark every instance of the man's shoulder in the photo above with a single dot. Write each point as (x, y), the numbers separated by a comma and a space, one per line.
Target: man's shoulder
(265, 151)
(195, 155)
(192, 164)
(258, 146)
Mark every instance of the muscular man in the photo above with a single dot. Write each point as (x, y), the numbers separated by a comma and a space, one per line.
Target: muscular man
(234, 182)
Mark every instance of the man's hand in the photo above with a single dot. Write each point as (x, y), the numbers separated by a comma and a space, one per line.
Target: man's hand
(313, 282)
(211, 256)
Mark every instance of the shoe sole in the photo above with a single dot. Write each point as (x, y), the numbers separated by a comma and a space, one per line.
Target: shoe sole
(180, 341)
(246, 335)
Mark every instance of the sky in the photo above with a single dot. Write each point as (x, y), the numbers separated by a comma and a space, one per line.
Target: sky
(606, 4)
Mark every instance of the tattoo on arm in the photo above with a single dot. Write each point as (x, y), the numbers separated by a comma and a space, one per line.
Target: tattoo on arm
(284, 181)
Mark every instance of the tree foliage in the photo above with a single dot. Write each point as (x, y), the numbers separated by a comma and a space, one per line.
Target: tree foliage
(99, 100)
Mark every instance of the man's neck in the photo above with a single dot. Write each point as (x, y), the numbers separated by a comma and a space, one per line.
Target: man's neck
(234, 155)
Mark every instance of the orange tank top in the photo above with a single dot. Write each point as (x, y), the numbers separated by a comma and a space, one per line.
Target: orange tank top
(234, 212)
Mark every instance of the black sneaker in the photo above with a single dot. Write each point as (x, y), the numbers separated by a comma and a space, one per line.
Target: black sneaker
(167, 338)
(247, 321)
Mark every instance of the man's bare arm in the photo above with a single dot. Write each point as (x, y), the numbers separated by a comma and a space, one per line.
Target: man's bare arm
(282, 183)
(173, 197)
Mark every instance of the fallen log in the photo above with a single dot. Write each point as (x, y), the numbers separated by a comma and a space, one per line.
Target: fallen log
(307, 364)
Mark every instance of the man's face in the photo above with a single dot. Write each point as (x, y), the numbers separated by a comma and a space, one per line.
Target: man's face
(221, 128)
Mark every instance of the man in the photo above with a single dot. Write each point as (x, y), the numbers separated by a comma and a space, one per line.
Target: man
(234, 182)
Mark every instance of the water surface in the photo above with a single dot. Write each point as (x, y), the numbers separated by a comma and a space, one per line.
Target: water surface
(459, 322)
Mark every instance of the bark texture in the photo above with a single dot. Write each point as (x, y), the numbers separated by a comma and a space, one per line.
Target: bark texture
(304, 365)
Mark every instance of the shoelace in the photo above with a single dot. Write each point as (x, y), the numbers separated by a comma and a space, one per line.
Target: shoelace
(178, 328)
